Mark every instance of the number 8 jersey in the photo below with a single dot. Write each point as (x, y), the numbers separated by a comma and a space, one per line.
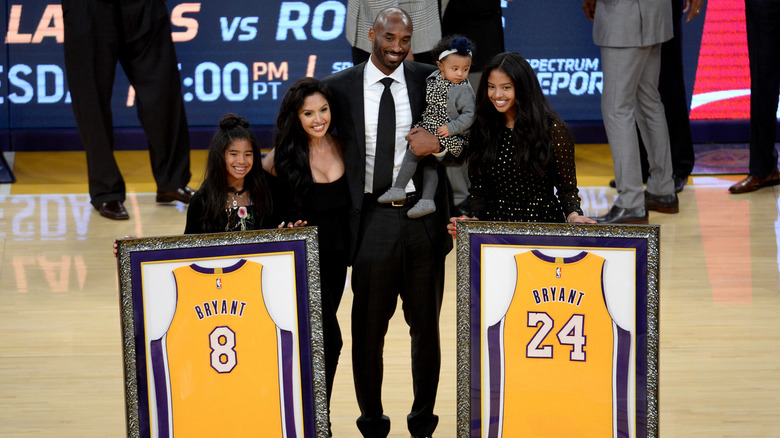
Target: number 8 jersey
(221, 350)
(565, 361)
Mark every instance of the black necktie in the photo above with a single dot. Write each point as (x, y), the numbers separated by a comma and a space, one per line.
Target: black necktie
(385, 140)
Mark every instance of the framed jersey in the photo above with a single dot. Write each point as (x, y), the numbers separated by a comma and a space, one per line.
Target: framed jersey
(223, 335)
(557, 330)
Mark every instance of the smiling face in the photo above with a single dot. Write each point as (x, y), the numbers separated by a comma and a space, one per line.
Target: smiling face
(239, 159)
(501, 92)
(314, 115)
(391, 37)
(455, 68)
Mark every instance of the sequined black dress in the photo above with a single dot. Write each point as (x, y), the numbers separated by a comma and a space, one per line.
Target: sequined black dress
(503, 192)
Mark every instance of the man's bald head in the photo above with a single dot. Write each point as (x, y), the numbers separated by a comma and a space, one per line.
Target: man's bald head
(391, 38)
(384, 15)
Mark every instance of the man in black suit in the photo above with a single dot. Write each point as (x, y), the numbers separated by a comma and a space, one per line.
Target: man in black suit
(392, 255)
(762, 19)
(137, 34)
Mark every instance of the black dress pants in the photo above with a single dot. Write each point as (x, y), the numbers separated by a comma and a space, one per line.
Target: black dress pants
(395, 257)
(671, 86)
(762, 18)
(333, 276)
(137, 35)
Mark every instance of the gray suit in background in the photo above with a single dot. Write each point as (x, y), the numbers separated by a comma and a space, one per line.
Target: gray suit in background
(630, 33)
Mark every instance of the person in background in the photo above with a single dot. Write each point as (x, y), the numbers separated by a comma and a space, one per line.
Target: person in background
(521, 154)
(630, 36)
(392, 255)
(137, 34)
(305, 170)
(425, 19)
(671, 86)
(234, 195)
(762, 18)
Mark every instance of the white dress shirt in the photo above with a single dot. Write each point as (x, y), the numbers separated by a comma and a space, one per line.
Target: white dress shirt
(372, 92)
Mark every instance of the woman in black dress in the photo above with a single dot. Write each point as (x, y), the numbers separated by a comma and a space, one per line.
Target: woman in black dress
(521, 154)
(306, 169)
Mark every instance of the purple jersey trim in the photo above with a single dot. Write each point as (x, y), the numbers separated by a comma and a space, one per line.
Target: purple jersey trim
(494, 354)
(287, 382)
(204, 270)
(160, 388)
(548, 259)
(622, 363)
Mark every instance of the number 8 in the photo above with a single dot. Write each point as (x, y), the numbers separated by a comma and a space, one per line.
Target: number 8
(223, 354)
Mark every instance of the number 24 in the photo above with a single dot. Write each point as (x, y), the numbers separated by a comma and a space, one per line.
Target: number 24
(572, 334)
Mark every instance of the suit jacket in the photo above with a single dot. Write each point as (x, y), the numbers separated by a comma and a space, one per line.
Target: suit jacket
(632, 23)
(347, 88)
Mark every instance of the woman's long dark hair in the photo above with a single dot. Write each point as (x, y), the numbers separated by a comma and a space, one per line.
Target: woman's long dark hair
(215, 186)
(533, 118)
(291, 143)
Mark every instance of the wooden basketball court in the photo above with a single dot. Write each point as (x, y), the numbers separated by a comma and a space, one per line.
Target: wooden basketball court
(61, 344)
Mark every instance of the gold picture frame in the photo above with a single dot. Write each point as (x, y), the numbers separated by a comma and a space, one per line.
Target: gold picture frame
(489, 279)
(153, 272)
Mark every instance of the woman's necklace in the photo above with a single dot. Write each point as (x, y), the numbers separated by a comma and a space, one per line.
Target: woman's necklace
(236, 197)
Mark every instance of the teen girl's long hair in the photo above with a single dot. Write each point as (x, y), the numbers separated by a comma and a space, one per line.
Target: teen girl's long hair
(533, 118)
(215, 187)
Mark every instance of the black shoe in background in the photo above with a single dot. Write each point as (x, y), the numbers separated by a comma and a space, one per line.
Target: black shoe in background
(679, 183)
(620, 215)
(662, 203)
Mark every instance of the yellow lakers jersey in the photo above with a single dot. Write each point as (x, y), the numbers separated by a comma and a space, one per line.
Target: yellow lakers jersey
(558, 346)
(222, 356)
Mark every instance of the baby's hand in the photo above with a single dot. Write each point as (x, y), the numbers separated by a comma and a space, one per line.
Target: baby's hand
(443, 132)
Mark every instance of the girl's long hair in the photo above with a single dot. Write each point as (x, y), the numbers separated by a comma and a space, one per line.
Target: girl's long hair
(533, 118)
(215, 187)
(291, 143)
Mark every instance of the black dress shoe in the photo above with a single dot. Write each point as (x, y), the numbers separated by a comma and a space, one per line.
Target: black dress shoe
(114, 210)
(679, 183)
(620, 215)
(752, 183)
(183, 194)
(662, 203)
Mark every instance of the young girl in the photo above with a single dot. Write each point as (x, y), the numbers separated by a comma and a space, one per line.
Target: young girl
(234, 195)
(448, 115)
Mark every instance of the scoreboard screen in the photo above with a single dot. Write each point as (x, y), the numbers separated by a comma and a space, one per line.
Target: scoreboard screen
(241, 56)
